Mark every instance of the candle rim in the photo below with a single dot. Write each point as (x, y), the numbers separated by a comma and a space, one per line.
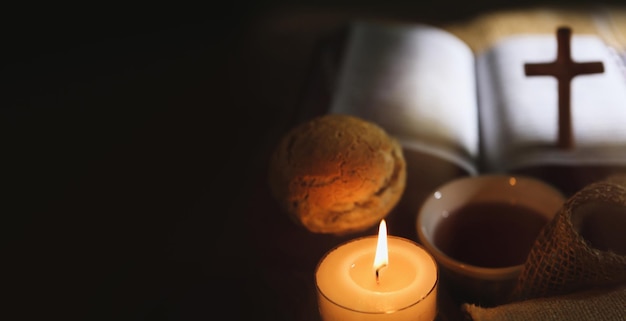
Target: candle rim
(424, 297)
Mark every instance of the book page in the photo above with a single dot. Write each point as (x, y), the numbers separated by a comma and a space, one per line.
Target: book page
(519, 113)
(418, 83)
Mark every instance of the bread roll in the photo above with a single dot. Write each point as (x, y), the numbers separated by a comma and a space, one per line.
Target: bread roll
(337, 174)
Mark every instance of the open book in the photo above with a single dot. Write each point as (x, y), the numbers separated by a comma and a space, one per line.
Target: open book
(482, 112)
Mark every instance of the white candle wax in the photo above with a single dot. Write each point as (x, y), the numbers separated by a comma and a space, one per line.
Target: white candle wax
(348, 289)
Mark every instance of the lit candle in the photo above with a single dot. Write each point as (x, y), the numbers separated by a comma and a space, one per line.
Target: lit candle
(377, 278)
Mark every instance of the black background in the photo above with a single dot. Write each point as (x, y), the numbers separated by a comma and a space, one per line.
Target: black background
(116, 122)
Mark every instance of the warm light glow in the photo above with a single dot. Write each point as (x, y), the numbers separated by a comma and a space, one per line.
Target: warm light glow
(512, 181)
(382, 257)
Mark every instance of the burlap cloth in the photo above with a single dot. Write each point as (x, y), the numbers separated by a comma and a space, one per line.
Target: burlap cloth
(599, 305)
(576, 269)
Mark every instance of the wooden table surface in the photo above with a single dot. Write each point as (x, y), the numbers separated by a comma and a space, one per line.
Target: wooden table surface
(135, 184)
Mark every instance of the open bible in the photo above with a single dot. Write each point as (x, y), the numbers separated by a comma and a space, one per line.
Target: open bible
(481, 112)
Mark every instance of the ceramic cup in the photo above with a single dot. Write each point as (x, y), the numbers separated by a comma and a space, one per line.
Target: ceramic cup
(481, 228)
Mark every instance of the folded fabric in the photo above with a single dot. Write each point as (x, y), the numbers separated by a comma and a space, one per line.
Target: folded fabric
(607, 304)
(582, 248)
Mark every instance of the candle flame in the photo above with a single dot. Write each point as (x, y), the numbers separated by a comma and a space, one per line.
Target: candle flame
(382, 257)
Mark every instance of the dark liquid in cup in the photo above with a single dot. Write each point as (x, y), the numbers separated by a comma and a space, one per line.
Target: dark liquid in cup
(489, 234)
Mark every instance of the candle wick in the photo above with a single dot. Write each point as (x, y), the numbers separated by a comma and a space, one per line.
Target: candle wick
(377, 272)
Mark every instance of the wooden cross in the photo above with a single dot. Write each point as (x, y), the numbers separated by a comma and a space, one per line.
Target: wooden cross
(564, 69)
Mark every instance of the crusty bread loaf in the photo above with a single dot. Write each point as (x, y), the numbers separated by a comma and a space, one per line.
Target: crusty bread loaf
(337, 174)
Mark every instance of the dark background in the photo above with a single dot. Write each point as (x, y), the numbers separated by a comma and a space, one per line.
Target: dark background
(130, 141)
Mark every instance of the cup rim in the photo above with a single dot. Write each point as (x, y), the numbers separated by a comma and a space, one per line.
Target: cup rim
(485, 273)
